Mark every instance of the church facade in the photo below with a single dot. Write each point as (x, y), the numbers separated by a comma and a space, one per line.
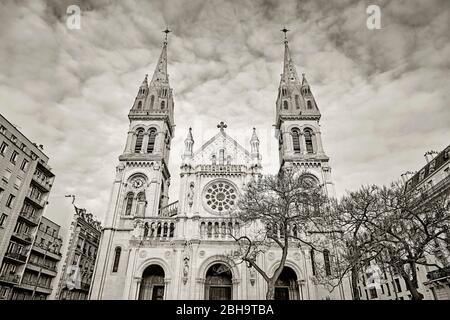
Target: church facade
(153, 250)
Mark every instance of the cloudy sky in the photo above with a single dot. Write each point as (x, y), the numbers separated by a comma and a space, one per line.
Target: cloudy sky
(383, 94)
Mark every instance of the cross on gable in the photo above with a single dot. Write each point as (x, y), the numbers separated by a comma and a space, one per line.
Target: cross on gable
(221, 125)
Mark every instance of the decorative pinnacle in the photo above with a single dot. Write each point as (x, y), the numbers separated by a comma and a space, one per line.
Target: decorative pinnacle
(221, 126)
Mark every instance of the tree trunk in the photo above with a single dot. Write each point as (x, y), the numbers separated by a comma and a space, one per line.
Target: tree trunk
(355, 284)
(415, 294)
(270, 295)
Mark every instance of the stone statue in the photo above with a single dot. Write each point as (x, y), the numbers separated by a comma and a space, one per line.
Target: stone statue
(190, 195)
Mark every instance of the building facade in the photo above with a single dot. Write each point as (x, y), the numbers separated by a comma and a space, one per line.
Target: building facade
(26, 181)
(77, 271)
(433, 179)
(153, 249)
(41, 268)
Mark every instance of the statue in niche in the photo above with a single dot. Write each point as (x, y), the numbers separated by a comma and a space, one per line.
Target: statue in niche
(190, 195)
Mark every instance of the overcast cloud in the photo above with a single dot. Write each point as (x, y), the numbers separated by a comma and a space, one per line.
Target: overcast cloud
(383, 94)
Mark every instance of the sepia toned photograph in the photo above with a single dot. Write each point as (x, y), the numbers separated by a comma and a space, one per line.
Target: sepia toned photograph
(250, 151)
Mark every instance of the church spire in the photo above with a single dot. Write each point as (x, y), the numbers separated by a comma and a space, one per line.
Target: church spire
(254, 145)
(160, 76)
(289, 76)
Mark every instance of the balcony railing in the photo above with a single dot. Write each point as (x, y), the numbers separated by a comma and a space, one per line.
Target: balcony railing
(221, 168)
(156, 229)
(33, 283)
(16, 256)
(26, 237)
(44, 248)
(438, 274)
(169, 210)
(30, 217)
(45, 266)
(12, 278)
(219, 228)
(42, 181)
(36, 200)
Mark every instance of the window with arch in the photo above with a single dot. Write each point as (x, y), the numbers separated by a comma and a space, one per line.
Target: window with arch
(309, 104)
(285, 105)
(139, 140)
(308, 141)
(163, 105)
(128, 203)
(152, 101)
(297, 102)
(213, 159)
(117, 252)
(296, 140)
(139, 106)
(326, 260)
(151, 140)
(221, 156)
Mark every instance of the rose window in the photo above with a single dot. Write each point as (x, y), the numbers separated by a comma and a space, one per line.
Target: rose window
(220, 196)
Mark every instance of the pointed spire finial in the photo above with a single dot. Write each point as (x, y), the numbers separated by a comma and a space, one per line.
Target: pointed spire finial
(166, 31)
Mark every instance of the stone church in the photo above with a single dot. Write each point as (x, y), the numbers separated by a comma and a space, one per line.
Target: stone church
(153, 250)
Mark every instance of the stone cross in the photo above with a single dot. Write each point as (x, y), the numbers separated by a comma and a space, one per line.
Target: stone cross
(221, 126)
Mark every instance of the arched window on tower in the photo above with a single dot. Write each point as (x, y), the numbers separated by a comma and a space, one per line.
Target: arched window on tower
(152, 101)
(163, 105)
(309, 104)
(151, 141)
(139, 140)
(116, 259)
(308, 141)
(128, 203)
(296, 140)
(297, 102)
(285, 105)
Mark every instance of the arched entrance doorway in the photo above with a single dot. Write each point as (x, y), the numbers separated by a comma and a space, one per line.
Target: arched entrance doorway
(152, 283)
(286, 287)
(219, 283)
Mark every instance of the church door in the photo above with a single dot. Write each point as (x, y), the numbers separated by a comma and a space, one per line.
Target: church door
(152, 284)
(219, 284)
(286, 286)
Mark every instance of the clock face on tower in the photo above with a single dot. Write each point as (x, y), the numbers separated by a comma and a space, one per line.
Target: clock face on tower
(137, 183)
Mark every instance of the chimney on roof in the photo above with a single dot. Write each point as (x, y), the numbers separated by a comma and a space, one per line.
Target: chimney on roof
(406, 176)
(429, 155)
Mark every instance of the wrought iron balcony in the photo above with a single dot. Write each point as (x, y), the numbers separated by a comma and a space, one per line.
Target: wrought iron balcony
(25, 237)
(30, 218)
(11, 278)
(16, 256)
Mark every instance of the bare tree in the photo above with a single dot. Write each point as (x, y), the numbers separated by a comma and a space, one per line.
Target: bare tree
(277, 211)
(393, 226)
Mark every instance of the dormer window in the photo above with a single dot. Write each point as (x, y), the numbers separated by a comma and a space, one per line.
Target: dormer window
(421, 174)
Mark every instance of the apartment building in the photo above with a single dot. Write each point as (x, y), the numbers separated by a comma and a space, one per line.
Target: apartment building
(25, 183)
(80, 257)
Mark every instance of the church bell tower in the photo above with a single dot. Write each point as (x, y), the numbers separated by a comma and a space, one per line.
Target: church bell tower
(297, 125)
